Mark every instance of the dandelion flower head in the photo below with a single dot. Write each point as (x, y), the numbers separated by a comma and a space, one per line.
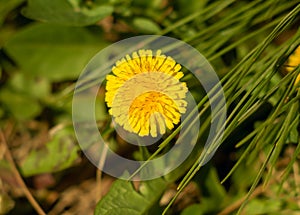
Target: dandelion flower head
(293, 62)
(144, 93)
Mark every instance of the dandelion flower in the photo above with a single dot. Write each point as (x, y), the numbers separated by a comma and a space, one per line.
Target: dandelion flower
(144, 93)
(293, 62)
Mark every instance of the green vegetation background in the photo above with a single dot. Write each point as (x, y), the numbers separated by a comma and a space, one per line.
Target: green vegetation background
(45, 44)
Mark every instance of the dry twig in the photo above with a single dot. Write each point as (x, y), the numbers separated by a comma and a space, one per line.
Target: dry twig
(18, 177)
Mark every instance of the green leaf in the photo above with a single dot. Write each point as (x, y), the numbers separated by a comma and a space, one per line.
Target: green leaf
(194, 209)
(58, 154)
(145, 25)
(70, 12)
(20, 105)
(263, 206)
(214, 186)
(53, 52)
(124, 199)
(35, 88)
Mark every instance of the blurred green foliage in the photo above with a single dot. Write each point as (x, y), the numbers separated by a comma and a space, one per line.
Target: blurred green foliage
(45, 45)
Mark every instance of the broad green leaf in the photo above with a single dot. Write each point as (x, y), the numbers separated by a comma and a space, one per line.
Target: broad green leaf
(6, 6)
(194, 209)
(145, 25)
(20, 106)
(52, 51)
(66, 12)
(124, 199)
(58, 154)
(149, 193)
(263, 206)
(33, 87)
(248, 172)
(214, 186)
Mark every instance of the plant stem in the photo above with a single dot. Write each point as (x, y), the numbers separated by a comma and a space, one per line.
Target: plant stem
(18, 177)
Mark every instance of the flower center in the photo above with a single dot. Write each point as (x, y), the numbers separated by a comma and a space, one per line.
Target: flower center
(156, 110)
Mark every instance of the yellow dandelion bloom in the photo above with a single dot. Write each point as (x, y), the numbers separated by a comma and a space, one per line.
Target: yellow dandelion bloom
(294, 61)
(144, 94)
